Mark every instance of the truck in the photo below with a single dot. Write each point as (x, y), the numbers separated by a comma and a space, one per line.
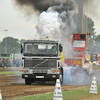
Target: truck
(95, 59)
(41, 63)
(2, 60)
(81, 68)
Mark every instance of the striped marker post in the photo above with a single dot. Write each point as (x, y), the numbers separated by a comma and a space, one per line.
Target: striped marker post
(0, 95)
(58, 91)
(93, 88)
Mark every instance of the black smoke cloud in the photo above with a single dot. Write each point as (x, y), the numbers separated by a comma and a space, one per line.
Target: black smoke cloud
(43, 5)
(40, 5)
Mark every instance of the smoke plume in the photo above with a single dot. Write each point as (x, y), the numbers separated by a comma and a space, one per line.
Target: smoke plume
(36, 5)
(63, 24)
(42, 5)
(54, 26)
(48, 23)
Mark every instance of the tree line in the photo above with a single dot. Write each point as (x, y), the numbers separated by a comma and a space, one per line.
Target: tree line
(10, 45)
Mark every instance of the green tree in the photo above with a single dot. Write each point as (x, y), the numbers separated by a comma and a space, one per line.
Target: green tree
(89, 27)
(21, 41)
(97, 38)
(12, 45)
(97, 43)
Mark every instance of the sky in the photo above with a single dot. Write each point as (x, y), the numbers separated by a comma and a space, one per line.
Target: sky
(21, 27)
(94, 13)
(15, 22)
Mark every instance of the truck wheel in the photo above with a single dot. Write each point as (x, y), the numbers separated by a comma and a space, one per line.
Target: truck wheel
(61, 78)
(27, 82)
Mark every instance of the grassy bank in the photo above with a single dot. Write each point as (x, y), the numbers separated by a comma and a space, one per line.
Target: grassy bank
(77, 94)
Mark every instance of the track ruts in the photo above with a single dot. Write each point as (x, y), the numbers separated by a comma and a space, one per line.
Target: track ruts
(14, 87)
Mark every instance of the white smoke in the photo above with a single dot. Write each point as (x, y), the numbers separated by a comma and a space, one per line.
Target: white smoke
(48, 24)
(75, 76)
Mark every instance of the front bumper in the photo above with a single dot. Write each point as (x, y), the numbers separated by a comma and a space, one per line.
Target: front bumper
(46, 77)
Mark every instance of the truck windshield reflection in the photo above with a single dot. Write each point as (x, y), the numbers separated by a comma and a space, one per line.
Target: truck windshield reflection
(40, 49)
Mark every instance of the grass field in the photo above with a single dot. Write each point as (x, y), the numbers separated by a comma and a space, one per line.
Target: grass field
(9, 72)
(78, 94)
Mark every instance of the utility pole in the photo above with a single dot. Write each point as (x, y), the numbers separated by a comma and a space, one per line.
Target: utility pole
(80, 15)
(5, 40)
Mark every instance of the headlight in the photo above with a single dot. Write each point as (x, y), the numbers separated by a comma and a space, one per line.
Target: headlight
(30, 71)
(52, 71)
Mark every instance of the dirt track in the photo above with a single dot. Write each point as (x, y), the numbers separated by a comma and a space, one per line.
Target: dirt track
(13, 86)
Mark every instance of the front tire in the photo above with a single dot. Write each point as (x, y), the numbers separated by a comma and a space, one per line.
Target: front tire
(61, 77)
(28, 81)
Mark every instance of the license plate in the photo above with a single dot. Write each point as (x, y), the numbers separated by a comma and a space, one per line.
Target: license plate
(39, 76)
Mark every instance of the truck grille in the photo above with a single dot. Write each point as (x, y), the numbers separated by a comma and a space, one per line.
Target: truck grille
(40, 63)
(39, 71)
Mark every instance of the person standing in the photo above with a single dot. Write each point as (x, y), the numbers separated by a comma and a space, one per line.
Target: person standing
(11, 62)
(54, 49)
(5, 63)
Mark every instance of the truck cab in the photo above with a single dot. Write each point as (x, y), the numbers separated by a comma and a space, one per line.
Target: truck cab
(41, 60)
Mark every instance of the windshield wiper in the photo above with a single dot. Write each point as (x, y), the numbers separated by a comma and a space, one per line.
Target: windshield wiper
(30, 54)
(51, 54)
(40, 54)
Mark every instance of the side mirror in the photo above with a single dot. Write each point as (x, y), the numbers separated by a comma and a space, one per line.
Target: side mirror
(21, 49)
(60, 48)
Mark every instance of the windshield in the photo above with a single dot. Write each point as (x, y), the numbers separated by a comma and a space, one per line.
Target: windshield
(78, 43)
(40, 49)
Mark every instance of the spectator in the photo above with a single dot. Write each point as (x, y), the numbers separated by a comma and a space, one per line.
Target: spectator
(11, 62)
(17, 62)
(5, 62)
